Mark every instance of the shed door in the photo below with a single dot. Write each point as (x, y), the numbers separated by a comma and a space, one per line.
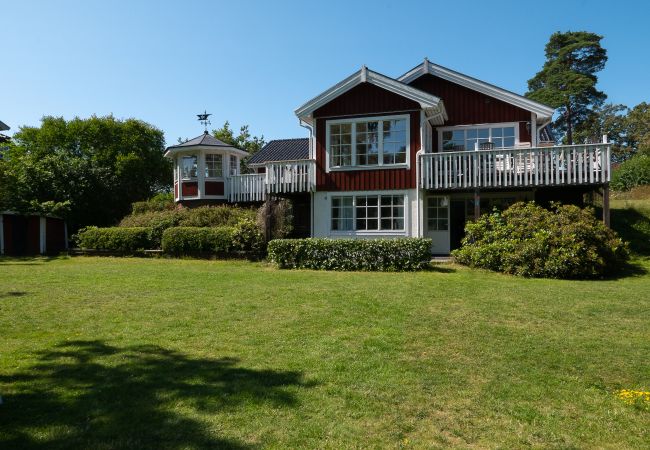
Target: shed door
(436, 223)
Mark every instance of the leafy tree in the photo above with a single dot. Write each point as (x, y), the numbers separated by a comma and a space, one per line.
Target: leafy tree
(244, 140)
(609, 119)
(568, 79)
(638, 127)
(97, 166)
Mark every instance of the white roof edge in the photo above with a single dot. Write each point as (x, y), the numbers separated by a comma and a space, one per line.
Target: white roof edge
(425, 99)
(477, 85)
(189, 148)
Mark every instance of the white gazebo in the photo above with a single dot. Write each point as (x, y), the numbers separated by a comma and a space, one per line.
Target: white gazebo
(202, 167)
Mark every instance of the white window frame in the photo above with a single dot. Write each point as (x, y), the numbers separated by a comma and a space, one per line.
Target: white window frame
(218, 177)
(233, 159)
(380, 156)
(379, 231)
(480, 125)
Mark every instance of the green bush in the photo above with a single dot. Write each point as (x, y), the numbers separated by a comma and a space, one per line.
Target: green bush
(159, 202)
(528, 240)
(205, 216)
(247, 237)
(116, 239)
(633, 172)
(403, 254)
(198, 240)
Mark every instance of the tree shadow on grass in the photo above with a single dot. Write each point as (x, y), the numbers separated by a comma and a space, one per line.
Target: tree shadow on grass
(634, 228)
(12, 294)
(28, 260)
(87, 394)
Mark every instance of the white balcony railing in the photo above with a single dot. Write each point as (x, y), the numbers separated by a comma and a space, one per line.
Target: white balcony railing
(281, 177)
(505, 168)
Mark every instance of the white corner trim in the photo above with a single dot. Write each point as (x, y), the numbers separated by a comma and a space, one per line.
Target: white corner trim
(542, 111)
(426, 100)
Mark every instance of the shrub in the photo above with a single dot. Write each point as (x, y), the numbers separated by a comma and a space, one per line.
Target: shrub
(633, 172)
(528, 240)
(159, 202)
(403, 254)
(198, 240)
(248, 238)
(205, 216)
(117, 239)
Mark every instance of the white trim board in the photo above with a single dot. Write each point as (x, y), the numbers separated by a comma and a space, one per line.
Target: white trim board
(432, 105)
(543, 112)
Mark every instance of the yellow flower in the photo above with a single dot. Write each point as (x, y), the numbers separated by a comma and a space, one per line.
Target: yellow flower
(631, 396)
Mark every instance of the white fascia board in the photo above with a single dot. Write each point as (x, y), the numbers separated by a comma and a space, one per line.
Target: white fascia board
(542, 111)
(425, 99)
(205, 148)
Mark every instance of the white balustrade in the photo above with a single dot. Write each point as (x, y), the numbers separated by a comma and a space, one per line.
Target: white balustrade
(506, 168)
(281, 177)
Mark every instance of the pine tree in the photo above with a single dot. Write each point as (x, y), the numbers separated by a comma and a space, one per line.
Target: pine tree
(568, 79)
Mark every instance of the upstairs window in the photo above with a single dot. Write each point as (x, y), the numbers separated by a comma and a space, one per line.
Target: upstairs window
(465, 138)
(189, 167)
(368, 142)
(213, 166)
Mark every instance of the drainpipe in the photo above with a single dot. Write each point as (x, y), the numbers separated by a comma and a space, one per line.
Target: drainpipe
(312, 155)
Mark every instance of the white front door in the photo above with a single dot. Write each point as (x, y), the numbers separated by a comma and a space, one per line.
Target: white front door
(436, 223)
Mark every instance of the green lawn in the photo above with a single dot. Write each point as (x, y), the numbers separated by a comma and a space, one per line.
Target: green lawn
(157, 353)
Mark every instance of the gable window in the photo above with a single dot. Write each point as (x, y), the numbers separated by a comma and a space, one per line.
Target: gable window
(233, 165)
(465, 138)
(189, 167)
(368, 213)
(213, 166)
(368, 142)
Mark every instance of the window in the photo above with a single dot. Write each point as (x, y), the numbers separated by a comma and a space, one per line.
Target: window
(234, 167)
(465, 138)
(189, 167)
(368, 142)
(368, 213)
(437, 214)
(342, 213)
(213, 166)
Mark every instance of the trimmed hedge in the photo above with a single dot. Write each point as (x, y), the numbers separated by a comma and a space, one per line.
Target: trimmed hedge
(117, 239)
(244, 237)
(530, 241)
(384, 255)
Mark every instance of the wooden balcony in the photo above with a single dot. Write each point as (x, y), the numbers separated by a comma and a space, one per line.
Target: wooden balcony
(515, 168)
(282, 177)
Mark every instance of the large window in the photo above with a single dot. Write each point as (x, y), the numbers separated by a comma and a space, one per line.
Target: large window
(465, 138)
(189, 167)
(368, 213)
(437, 214)
(213, 166)
(368, 142)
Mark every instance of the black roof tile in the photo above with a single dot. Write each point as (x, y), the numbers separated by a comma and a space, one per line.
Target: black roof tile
(282, 150)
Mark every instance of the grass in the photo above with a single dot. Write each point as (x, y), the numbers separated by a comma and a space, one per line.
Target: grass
(153, 353)
(156, 353)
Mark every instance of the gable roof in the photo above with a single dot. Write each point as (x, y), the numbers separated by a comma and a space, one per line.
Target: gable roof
(432, 105)
(205, 140)
(281, 150)
(427, 67)
(3, 126)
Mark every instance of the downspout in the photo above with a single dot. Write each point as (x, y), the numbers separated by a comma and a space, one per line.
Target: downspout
(312, 155)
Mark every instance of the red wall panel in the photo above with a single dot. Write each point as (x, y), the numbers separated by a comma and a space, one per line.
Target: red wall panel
(465, 106)
(54, 235)
(33, 235)
(190, 189)
(214, 188)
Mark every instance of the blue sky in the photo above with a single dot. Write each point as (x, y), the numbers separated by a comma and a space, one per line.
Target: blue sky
(255, 62)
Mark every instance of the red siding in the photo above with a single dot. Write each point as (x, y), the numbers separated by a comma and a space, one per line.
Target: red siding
(175, 190)
(8, 230)
(366, 100)
(190, 189)
(54, 235)
(214, 188)
(465, 106)
(33, 235)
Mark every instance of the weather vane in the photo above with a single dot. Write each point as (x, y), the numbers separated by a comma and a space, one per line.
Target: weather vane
(203, 119)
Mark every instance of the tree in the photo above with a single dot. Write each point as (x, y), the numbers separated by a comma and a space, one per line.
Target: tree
(243, 141)
(99, 166)
(609, 119)
(638, 127)
(568, 79)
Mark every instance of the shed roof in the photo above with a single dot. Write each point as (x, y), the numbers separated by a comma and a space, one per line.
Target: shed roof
(282, 150)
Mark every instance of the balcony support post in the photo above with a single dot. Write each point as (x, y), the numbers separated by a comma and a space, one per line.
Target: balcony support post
(606, 217)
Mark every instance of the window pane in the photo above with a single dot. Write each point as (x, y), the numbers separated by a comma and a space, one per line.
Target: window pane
(509, 142)
(497, 132)
(484, 133)
(509, 131)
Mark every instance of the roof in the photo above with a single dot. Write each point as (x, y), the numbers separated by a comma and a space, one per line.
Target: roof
(282, 150)
(432, 105)
(205, 140)
(427, 67)
(3, 126)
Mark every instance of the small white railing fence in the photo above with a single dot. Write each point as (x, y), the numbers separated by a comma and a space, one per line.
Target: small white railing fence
(504, 168)
(281, 177)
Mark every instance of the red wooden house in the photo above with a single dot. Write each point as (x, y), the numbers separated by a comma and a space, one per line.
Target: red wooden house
(417, 155)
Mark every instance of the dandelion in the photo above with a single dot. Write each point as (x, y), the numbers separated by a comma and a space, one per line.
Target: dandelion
(631, 397)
